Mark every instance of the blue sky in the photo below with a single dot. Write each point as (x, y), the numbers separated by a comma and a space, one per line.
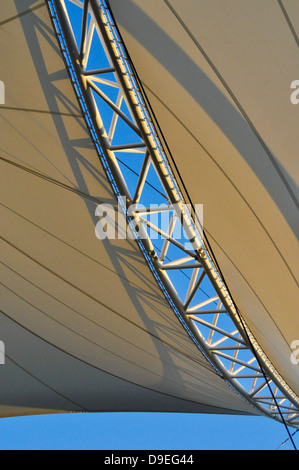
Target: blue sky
(142, 431)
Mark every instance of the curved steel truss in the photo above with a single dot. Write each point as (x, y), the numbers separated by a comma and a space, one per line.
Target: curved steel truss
(132, 155)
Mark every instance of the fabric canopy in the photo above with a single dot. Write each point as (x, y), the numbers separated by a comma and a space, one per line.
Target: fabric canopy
(84, 324)
(220, 77)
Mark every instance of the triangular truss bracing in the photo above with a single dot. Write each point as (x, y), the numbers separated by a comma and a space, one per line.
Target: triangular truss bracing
(168, 231)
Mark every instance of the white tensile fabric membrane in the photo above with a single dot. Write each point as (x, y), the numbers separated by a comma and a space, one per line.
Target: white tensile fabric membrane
(84, 324)
(218, 76)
